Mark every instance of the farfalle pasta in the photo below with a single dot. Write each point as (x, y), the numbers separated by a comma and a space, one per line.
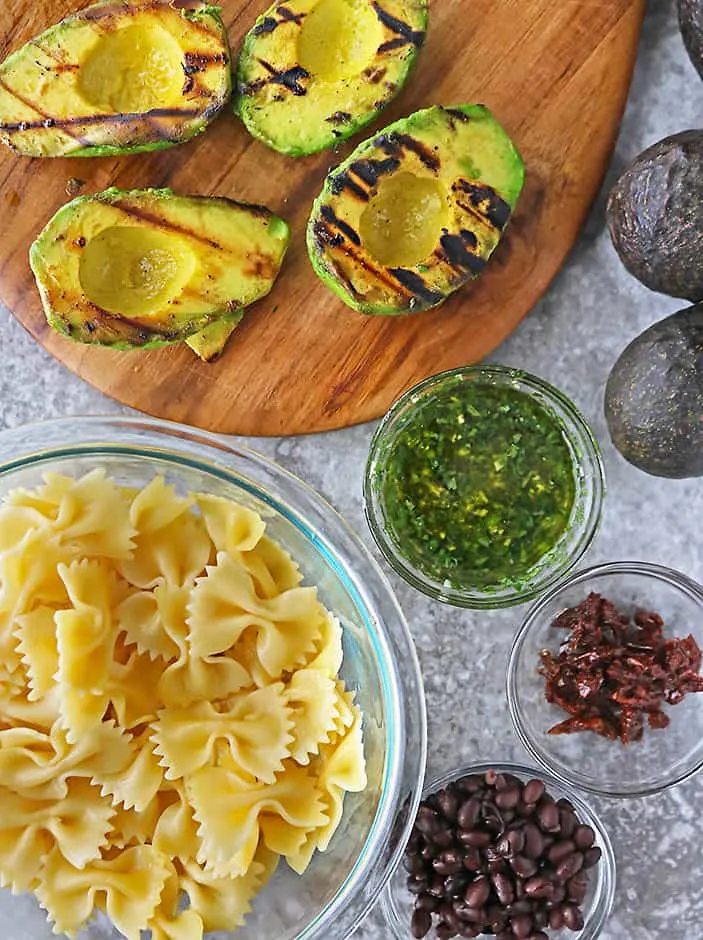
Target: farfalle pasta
(172, 720)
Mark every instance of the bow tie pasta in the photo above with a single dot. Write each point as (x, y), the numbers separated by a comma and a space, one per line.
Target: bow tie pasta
(172, 719)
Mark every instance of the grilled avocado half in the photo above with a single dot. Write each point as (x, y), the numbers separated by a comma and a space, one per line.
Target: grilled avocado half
(313, 72)
(417, 211)
(148, 267)
(120, 76)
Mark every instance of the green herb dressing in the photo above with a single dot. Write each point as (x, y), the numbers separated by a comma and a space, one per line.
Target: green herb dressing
(478, 486)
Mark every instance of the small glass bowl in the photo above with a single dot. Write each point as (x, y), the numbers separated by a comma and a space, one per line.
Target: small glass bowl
(397, 901)
(664, 757)
(589, 479)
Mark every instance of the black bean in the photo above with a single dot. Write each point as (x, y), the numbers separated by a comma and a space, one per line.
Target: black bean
(539, 935)
(474, 915)
(414, 864)
(573, 918)
(533, 792)
(508, 799)
(568, 823)
(436, 888)
(540, 918)
(503, 887)
(497, 866)
(584, 837)
(427, 820)
(563, 803)
(415, 883)
(472, 860)
(478, 891)
(505, 935)
(569, 866)
(429, 852)
(577, 887)
(466, 930)
(496, 917)
(455, 885)
(503, 847)
(539, 887)
(519, 888)
(470, 783)
(556, 918)
(525, 867)
(522, 926)
(558, 895)
(427, 903)
(516, 838)
(477, 839)
(523, 906)
(591, 857)
(561, 850)
(468, 813)
(548, 817)
(534, 841)
(448, 863)
(421, 924)
(444, 838)
(444, 931)
(448, 804)
(449, 916)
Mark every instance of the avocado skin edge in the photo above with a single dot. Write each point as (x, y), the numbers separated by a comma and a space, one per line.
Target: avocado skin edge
(654, 215)
(654, 397)
(691, 23)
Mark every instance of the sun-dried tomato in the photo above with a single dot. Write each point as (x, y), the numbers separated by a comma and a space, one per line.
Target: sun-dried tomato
(614, 673)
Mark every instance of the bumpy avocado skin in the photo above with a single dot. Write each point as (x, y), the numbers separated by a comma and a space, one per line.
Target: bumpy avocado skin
(655, 216)
(654, 398)
(691, 22)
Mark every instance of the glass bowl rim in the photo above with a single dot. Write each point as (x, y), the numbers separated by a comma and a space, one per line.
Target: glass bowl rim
(670, 576)
(580, 431)
(607, 880)
(90, 439)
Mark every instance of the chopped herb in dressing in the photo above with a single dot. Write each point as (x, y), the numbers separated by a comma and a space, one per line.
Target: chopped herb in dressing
(478, 485)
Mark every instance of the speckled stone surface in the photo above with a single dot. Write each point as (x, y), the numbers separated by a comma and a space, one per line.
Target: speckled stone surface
(571, 339)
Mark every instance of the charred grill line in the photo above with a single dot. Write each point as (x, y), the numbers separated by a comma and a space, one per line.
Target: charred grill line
(159, 222)
(456, 252)
(414, 283)
(456, 115)
(339, 117)
(269, 23)
(394, 144)
(43, 124)
(93, 119)
(487, 201)
(344, 181)
(329, 215)
(194, 62)
(327, 238)
(290, 79)
(405, 33)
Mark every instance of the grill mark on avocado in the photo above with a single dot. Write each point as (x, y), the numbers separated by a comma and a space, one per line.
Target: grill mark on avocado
(405, 34)
(394, 144)
(194, 62)
(456, 115)
(329, 215)
(94, 119)
(415, 284)
(375, 74)
(487, 201)
(456, 252)
(270, 24)
(339, 117)
(119, 10)
(290, 79)
(43, 124)
(158, 221)
(326, 238)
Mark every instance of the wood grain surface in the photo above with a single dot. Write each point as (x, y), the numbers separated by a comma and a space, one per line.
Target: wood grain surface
(556, 75)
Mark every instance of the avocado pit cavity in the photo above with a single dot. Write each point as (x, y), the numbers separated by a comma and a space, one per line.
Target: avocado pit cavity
(339, 39)
(402, 224)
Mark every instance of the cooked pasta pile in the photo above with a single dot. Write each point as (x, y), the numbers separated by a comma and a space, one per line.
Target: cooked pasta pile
(172, 721)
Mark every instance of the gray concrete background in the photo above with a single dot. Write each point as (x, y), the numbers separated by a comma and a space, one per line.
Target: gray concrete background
(571, 339)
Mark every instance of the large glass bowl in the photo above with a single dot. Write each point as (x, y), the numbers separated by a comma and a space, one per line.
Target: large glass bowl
(589, 483)
(664, 757)
(397, 901)
(380, 663)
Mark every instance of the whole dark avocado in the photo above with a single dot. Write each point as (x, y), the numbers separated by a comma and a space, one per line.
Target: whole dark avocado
(691, 22)
(654, 398)
(655, 216)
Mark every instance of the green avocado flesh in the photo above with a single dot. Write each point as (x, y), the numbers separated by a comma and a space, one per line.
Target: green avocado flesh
(313, 72)
(148, 267)
(416, 211)
(654, 397)
(209, 344)
(116, 77)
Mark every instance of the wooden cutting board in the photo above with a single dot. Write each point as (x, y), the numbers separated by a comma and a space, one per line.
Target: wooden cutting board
(556, 74)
